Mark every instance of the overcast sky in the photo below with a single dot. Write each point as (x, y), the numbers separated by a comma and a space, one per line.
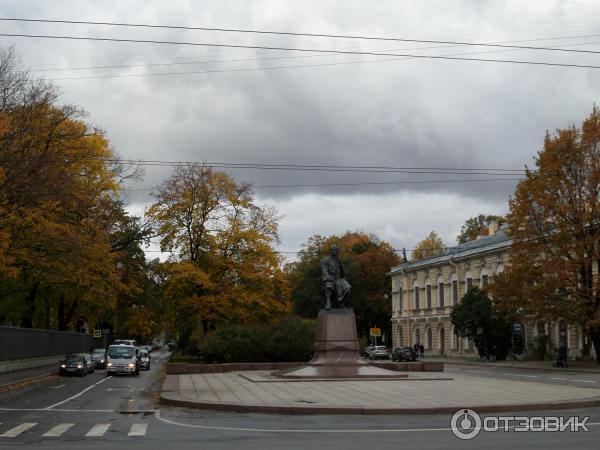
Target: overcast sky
(352, 110)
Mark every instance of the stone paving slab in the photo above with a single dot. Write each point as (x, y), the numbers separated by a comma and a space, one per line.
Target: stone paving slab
(253, 391)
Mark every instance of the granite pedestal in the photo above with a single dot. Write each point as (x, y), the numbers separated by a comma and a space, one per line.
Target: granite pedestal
(337, 352)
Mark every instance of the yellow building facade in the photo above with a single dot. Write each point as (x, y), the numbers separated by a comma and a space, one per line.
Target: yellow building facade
(425, 291)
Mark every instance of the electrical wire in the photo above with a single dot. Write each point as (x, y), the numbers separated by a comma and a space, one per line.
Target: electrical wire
(289, 33)
(309, 50)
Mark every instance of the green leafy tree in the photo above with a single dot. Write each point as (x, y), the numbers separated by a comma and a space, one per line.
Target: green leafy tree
(366, 262)
(475, 317)
(477, 226)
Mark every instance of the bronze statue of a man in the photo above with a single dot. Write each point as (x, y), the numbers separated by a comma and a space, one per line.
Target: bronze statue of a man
(336, 287)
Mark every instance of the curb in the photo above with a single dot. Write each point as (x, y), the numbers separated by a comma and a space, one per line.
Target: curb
(18, 384)
(177, 400)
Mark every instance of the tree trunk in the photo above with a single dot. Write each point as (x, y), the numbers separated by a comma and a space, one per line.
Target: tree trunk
(594, 334)
(29, 310)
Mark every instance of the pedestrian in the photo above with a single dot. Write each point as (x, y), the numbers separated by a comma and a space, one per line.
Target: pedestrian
(416, 349)
(563, 353)
(422, 348)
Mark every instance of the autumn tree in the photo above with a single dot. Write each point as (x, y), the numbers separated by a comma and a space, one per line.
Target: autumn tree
(226, 268)
(366, 262)
(554, 220)
(478, 226)
(61, 220)
(432, 245)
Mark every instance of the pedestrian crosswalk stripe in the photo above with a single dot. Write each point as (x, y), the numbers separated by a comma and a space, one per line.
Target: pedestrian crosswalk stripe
(14, 432)
(138, 429)
(58, 430)
(98, 430)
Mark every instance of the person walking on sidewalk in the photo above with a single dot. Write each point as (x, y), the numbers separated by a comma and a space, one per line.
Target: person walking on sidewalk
(563, 353)
(422, 350)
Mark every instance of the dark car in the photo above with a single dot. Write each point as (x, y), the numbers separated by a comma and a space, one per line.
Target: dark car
(379, 352)
(404, 354)
(75, 364)
(144, 358)
(99, 358)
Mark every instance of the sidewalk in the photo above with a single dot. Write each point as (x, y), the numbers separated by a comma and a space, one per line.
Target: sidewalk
(19, 378)
(574, 366)
(257, 391)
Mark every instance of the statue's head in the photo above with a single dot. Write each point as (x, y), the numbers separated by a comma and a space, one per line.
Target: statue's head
(334, 250)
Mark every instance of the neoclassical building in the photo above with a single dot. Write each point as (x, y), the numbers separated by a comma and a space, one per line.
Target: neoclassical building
(424, 292)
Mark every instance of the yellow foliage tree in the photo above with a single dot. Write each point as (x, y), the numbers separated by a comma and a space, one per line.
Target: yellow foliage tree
(432, 245)
(227, 269)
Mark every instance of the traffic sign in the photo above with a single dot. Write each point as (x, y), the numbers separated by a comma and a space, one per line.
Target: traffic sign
(375, 331)
(97, 333)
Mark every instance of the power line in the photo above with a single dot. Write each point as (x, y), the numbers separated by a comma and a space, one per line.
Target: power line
(189, 63)
(289, 33)
(319, 167)
(366, 183)
(309, 50)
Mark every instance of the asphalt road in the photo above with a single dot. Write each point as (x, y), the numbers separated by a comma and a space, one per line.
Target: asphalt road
(99, 412)
(557, 377)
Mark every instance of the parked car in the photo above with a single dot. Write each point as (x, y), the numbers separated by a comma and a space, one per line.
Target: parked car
(122, 359)
(365, 352)
(73, 364)
(379, 352)
(144, 358)
(99, 358)
(404, 354)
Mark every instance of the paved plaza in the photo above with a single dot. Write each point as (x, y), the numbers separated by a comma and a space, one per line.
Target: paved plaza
(425, 392)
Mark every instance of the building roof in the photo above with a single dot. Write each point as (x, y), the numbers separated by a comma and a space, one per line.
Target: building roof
(496, 241)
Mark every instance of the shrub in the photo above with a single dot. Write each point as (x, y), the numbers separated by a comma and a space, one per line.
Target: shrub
(289, 340)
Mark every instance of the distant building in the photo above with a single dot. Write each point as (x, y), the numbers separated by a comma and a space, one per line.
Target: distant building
(424, 292)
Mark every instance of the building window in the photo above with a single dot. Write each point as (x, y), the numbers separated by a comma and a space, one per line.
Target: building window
(400, 343)
(429, 339)
(454, 292)
(417, 336)
(428, 289)
(417, 306)
(469, 284)
(441, 295)
(484, 280)
(401, 304)
(541, 328)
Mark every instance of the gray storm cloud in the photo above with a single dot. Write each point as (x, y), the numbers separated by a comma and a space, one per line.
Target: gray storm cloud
(339, 110)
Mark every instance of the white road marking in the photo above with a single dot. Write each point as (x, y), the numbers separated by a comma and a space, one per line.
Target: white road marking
(312, 430)
(583, 381)
(14, 432)
(57, 387)
(58, 430)
(120, 411)
(477, 371)
(79, 394)
(138, 429)
(98, 430)
(561, 379)
(520, 375)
